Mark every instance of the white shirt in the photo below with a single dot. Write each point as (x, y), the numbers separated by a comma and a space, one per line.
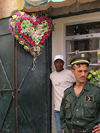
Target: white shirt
(61, 81)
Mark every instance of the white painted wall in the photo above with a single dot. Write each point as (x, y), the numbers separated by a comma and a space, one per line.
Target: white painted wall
(58, 40)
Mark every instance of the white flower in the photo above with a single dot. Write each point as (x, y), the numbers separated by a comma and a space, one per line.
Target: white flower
(37, 48)
(32, 29)
(36, 34)
(40, 25)
(25, 30)
(45, 29)
(34, 18)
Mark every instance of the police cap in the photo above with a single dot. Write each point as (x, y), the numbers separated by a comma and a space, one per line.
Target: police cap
(80, 58)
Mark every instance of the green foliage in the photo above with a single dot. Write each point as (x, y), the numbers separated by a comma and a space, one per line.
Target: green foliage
(94, 76)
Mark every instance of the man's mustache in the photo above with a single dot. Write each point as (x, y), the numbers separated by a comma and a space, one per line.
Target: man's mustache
(83, 77)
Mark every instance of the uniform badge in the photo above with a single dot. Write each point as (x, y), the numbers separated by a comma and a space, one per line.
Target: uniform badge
(82, 55)
(67, 99)
(89, 98)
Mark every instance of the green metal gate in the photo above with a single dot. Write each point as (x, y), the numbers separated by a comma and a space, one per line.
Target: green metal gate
(25, 95)
(6, 78)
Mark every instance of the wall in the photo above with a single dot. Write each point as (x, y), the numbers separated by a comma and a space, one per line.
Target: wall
(6, 8)
(58, 40)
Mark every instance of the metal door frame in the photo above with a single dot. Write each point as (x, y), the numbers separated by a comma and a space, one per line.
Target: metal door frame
(15, 86)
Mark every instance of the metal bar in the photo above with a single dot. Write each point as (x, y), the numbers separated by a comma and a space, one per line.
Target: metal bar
(25, 76)
(15, 84)
(26, 117)
(91, 51)
(4, 90)
(4, 121)
(5, 74)
(81, 37)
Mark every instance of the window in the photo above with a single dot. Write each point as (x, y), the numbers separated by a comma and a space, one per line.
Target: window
(83, 38)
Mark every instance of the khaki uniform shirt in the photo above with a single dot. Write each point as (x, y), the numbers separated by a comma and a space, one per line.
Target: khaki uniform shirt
(82, 112)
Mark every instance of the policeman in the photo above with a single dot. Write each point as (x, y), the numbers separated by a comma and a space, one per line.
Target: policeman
(80, 107)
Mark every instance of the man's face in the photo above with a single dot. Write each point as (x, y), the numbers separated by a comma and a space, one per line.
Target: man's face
(80, 72)
(59, 65)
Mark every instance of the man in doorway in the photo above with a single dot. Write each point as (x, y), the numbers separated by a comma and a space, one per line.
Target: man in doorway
(80, 107)
(60, 79)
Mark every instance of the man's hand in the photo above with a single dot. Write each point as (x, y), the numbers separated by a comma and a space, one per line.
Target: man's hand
(62, 130)
(96, 129)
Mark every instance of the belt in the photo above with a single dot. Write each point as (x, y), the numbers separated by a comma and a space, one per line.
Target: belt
(76, 129)
(83, 131)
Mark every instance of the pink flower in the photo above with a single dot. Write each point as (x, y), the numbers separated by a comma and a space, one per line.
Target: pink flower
(31, 50)
(25, 36)
(42, 41)
(18, 28)
(26, 13)
(38, 20)
(43, 18)
(29, 40)
(21, 39)
(36, 54)
(45, 34)
(35, 24)
(49, 31)
(12, 19)
(50, 26)
(24, 18)
(33, 43)
(13, 33)
(47, 19)
(18, 23)
(10, 27)
(18, 13)
(31, 20)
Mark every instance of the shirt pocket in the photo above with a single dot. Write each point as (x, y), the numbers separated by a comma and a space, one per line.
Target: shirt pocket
(90, 109)
(68, 111)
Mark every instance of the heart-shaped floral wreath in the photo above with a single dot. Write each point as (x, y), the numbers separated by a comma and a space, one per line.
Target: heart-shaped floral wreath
(31, 30)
